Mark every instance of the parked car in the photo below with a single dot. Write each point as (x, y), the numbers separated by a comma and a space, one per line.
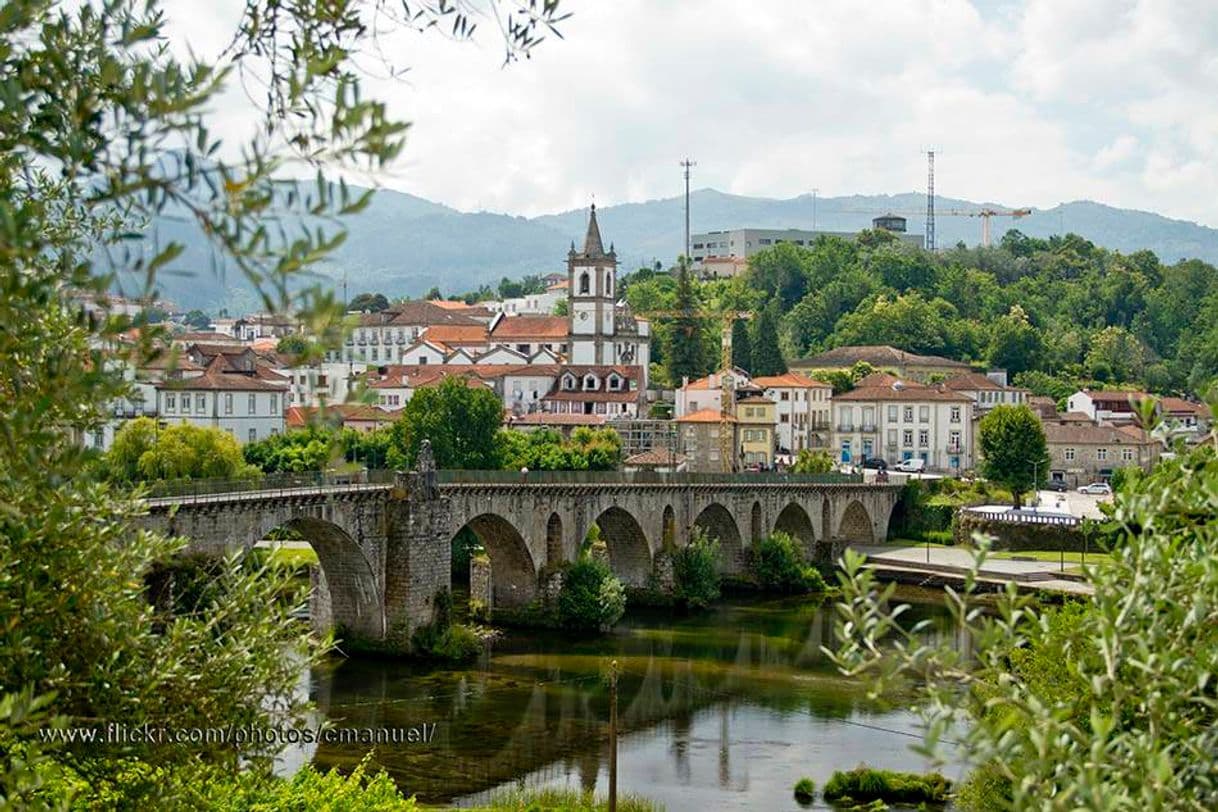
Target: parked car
(913, 465)
(1096, 489)
(1058, 485)
(875, 464)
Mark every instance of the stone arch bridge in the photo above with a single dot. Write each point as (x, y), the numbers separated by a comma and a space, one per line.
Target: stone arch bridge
(384, 542)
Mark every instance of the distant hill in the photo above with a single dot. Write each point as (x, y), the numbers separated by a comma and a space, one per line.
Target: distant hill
(403, 244)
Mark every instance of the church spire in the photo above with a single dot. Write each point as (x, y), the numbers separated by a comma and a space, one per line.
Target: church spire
(593, 247)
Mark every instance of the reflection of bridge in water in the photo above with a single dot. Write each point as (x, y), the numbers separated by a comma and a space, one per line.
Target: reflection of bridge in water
(548, 712)
(540, 707)
(384, 541)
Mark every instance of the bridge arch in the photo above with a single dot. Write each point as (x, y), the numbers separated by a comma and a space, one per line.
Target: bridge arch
(629, 553)
(717, 522)
(856, 524)
(796, 523)
(513, 571)
(355, 595)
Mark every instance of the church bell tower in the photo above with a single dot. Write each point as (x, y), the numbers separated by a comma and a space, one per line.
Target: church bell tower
(591, 287)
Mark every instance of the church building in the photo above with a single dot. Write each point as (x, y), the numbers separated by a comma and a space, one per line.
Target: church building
(602, 332)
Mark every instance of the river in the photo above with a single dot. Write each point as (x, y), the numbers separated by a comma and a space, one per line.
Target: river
(720, 710)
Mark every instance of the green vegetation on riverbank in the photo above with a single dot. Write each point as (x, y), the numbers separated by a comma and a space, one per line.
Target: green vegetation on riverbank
(864, 785)
(562, 800)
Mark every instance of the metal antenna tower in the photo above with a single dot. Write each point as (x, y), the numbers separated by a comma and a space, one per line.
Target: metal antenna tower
(687, 164)
(930, 200)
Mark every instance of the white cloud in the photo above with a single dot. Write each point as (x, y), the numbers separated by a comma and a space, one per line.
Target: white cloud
(1029, 104)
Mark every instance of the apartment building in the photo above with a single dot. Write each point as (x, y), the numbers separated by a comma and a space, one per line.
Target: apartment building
(886, 417)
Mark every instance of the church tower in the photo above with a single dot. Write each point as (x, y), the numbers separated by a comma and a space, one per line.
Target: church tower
(591, 288)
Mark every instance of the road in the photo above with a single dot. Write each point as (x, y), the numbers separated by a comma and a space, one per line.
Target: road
(953, 562)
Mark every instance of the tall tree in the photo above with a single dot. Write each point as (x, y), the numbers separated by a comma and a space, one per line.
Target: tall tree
(1015, 344)
(1013, 449)
(767, 356)
(684, 349)
(458, 418)
(370, 302)
(742, 350)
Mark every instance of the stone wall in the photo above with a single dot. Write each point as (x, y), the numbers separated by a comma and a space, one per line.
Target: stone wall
(1014, 536)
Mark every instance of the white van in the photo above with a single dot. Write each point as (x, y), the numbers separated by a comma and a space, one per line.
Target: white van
(913, 465)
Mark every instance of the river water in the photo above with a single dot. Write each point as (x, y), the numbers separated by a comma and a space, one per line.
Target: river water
(720, 710)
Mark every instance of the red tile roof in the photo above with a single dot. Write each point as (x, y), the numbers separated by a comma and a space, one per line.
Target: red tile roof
(457, 334)
(706, 416)
(788, 380)
(656, 456)
(556, 419)
(536, 327)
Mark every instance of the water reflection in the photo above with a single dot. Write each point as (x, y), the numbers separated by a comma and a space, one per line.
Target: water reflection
(721, 710)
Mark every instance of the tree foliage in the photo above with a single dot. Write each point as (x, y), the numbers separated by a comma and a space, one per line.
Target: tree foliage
(1104, 703)
(142, 452)
(461, 421)
(766, 354)
(1013, 449)
(546, 450)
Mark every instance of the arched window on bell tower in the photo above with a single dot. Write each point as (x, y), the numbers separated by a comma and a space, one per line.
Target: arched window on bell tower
(584, 283)
(608, 283)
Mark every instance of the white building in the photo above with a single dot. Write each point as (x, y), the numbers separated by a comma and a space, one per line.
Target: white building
(987, 391)
(1109, 406)
(534, 304)
(602, 332)
(886, 417)
(801, 409)
(248, 404)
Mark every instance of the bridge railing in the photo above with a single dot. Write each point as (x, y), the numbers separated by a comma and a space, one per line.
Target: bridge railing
(266, 483)
(454, 477)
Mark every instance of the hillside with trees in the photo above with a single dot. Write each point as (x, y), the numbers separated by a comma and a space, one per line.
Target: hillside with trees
(1056, 313)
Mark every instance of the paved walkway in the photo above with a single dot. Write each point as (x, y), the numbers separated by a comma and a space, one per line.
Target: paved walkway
(953, 562)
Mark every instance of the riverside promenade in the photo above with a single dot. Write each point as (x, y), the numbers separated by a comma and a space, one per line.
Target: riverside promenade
(948, 565)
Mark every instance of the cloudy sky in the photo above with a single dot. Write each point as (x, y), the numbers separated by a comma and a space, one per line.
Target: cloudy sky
(1029, 103)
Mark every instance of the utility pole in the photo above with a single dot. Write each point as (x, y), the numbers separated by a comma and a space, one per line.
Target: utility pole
(613, 736)
(687, 164)
(814, 192)
(930, 200)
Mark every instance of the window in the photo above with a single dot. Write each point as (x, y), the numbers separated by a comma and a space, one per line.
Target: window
(376, 354)
(785, 396)
(892, 413)
(274, 403)
(253, 435)
(908, 414)
(274, 431)
(907, 437)
(608, 283)
(584, 282)
(923, 438)
(568, 383)
(1127, 454)
(784, 418)
(171, 403)
(1101, 454)
(1069, 455)
(892, 438)
(955, 414)
(524, 348)
(201, 403)
(253, 404)
(953, 442)
(923, 414)
(590, 383)
(99, 438)
(763, 242)
(228, 402)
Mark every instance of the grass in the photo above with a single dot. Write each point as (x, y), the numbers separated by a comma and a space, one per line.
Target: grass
(562, 800)
(294, 557)
(864, 784)
(901, 542)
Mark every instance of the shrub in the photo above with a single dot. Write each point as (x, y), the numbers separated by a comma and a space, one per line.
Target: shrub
(696, 571)
(444, 640)
(779, 566)
(863, 785)
(592, 598)
(805, 790)
(553, 799)
(985, 788)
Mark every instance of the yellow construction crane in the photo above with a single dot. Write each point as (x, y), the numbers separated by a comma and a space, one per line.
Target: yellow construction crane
(984, 214)
(727, 381)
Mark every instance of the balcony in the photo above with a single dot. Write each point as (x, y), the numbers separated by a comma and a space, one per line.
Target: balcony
(845, 427)
(868, 428)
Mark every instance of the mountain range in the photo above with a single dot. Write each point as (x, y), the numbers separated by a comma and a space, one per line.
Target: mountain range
(402, 245)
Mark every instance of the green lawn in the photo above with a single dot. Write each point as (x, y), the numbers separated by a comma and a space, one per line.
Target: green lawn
(295, 557)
